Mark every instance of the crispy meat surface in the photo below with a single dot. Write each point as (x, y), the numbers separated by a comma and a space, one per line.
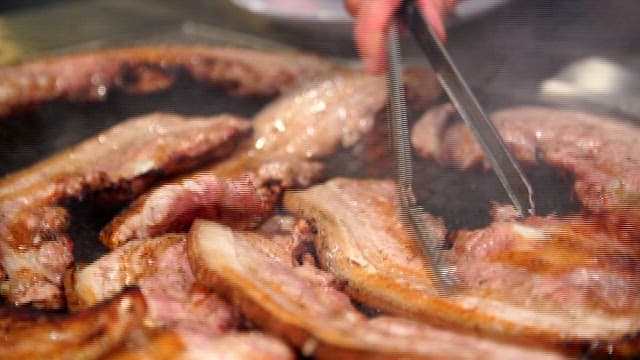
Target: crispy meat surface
(600, 153)
(131, 150)
(159, 267)
(89, 334)
(560, 282)
(121, 161)
(169, 345)
(172, 207)
(91, 76)
(301, 304)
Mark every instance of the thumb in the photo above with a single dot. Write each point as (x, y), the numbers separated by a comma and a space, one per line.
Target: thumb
(433, 12)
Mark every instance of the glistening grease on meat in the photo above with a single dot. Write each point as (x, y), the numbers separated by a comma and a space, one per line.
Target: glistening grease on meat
(90, 334)
(172, 206)
(546, 281)
(601, 153)
(306, 124)
(123, 161)
(301, 305)
(91, 76)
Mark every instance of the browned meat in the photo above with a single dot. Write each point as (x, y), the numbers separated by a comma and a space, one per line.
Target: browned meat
(169, 345)
(34, 250)
(242, 200)
(91, 76)
(301, 304)
(601, 153)
(173, 206)
(555, 281)
(86, 335)
(159, 267)
(131, 150)
(306, 124)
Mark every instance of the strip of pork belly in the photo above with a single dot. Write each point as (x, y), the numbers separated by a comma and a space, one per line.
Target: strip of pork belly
(90, 334)
(159, 267)
(302, 305)
(34, 249)
(169, 345)
(91, 76)
(290, 134)
(555, 281)
(134, 148)
(601, 153)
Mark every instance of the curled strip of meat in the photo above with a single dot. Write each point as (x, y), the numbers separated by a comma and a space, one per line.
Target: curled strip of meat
(544, 281)
(159, 267)
(90, 334)
(301, 305)
(90, 76)
(124, 160)
(169, 345)
(601, 153)
(173, 206)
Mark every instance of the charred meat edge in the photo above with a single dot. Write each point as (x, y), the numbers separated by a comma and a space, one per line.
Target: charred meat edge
(35, 246)
(89, 334)
(143, 70)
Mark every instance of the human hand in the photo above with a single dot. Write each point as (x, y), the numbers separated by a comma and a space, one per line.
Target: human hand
(373, 17)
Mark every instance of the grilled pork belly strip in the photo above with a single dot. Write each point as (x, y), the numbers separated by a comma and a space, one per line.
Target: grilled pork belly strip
(124, 160)
(601, 153)
(306, 124)
(135, 148)
(546, 280)
(159, 267)
(87, 335)
(169, 345)
(172, 206)
(90, 76)
(301, 304)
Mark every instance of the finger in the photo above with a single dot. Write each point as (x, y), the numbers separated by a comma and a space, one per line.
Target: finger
(370, 32)
(433, 12)
(352, 6)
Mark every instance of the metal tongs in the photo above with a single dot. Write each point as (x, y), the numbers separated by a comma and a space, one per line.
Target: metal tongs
(506, 168)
